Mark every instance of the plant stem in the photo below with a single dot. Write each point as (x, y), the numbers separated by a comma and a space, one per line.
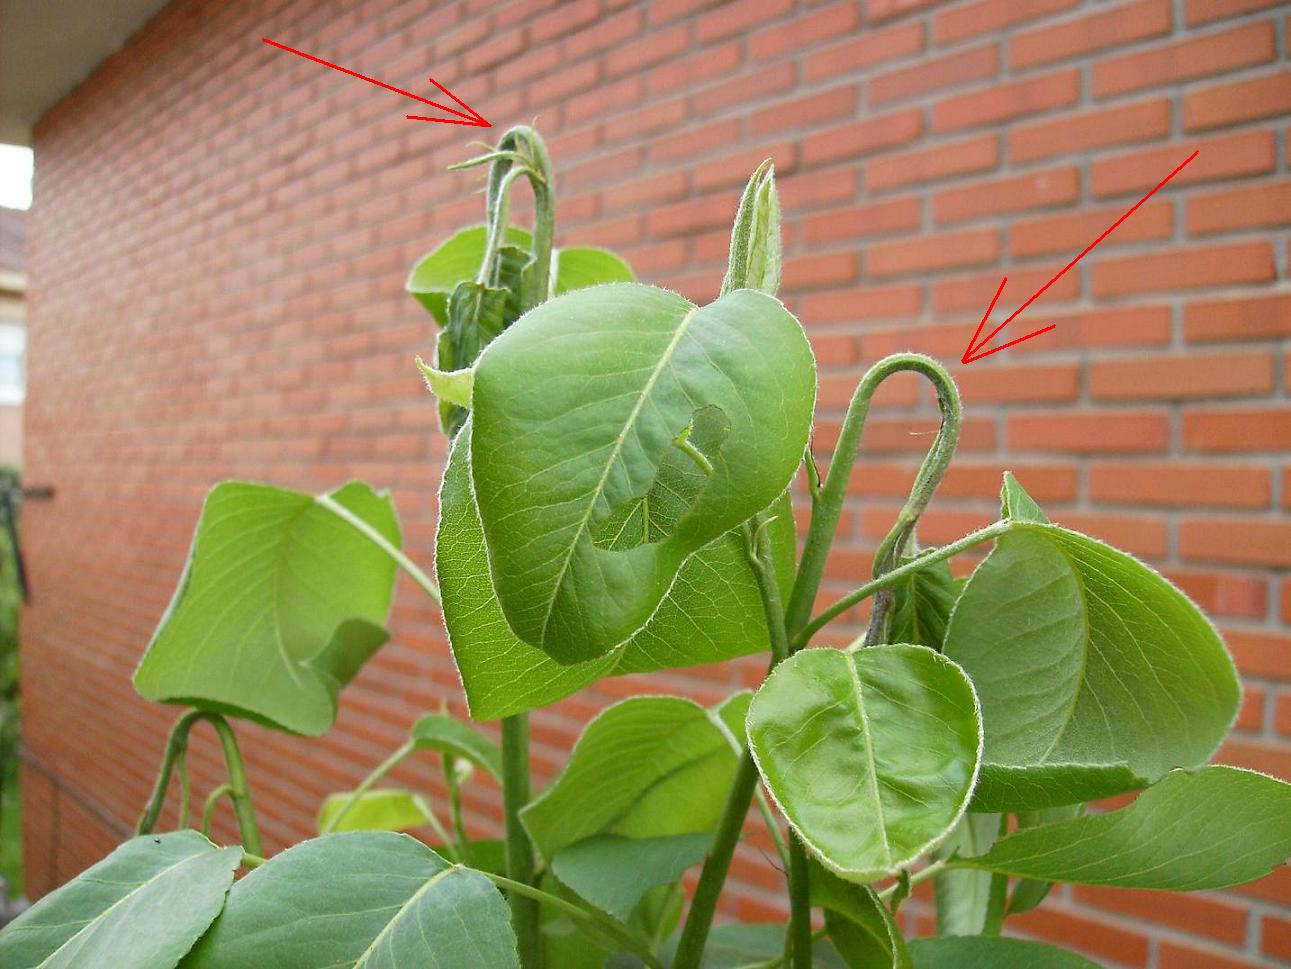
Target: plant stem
(185, 788)
(176, 745)
(519, 851)
(931, 871)
(773, 828)
(251, 861)
(589, 916)
(208, 809)
(827, 510)
(407, 564)
(799, 904)
(455, 808)
(380, 771)
(889, 579)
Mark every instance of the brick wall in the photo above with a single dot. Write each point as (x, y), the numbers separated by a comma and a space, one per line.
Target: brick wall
(221, 233)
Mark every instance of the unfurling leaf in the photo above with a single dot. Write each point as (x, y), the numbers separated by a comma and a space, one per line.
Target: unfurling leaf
(871, 754)
(125, 910)
(450, 386)
(280, 605)
(575, 408)
(1217, 827)
(922, 604)
(754, 261)
(436, 275)
(369, 899)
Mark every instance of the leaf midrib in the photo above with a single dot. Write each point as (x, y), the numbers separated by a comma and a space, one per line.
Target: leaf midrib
(404, 909)
(664, 359)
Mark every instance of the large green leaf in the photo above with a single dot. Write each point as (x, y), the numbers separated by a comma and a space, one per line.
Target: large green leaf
(614, 873)
(1217, 827)
(862, 929)
(977, 952)
(871, 754)
(1095, 673)
(142, 906)
(363, 900)
(922, 603)
(383, 809)
(448, 735)
(712, 613)
(280, 604)
(575, 408)
(648, 767)
(752, 946)
(582, 266)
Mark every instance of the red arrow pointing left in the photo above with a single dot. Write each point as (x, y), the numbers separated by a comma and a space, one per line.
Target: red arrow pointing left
(468, 116)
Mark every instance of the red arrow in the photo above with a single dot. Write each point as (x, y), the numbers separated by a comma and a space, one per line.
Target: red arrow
(469, 117)
(975, 345)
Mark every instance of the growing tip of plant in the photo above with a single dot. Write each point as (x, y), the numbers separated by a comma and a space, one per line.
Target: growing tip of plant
(755, 240)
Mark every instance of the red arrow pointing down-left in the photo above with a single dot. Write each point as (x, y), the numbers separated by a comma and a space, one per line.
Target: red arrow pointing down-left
(467, 116)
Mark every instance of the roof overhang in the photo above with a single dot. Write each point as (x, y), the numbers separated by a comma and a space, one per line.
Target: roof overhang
(47, 47)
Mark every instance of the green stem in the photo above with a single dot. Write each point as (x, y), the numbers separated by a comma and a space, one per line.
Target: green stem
(380, 771)
(799, 905)
(176, 744)
(519, 851)
(931, 871)
(251, 861)
(455, 808)
(208, 809)
(889, 579)
(773, 827)
(522, 142)
(185, 788)
(407, 564)
(588, 916)
(437, 826)
(827, 510)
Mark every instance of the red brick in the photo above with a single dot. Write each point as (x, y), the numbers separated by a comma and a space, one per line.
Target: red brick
(1247, 541)
(735, 168)
(1233, 431)
(817, 270)
(738, 17)
(1121, 326)
(1007, 101)
(1035, 190)
(1266, 205)
(1175, 955)
(811, 109)
(987, 16)
(938, 74)
(1185, 60)
(1141, 432)
(717, 61)
(1275, 934)
(835, 20)
(1259, 653)
(1180, 376)
(880, 10)
(1176, 485)
(973, 293)
(1019, 384)
(1230, 104)
(962, 249)
(1100, 128)
(1245, 262)
(867, 49)
(1227, 594)
(1253, 318)
(1218, 158)
(1124, 24)
(647, 51)
(731, 91)
(1198, 12)
(1070, 232)
(862, 221)
(863, 303)
(1098, 939)
(863, 137)
(977, 154)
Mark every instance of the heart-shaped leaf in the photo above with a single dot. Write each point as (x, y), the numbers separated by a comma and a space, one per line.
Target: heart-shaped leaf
(1218, 827)
(382, 809)
(712, 613)
(649, 767)
(576, 407)
(142, 906)
(960, 952)
(280, 604)
(367, 900)
(871, 754)
(1095, 673)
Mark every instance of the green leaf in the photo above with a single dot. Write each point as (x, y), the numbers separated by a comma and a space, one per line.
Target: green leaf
(960, 952)
(754, 261)
(614, 873)
(366, 899)
(280, 604)
(649, 767)
(1028, 893)
(1218, 827)
(713, 612)
(582, 266)
(123, 911)
(383, 809)
(448, 735)
(862, 929)
(1017, 505)
(871, 754)
(577, 405)
(1094, 672)
(450, 386)
(752, 946)
(436, 275)
(922, 605)
(963, 895)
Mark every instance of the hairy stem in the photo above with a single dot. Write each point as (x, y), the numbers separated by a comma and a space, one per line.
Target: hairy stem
(889, 579)
(365, 785)
(519, 850)
(827, 509)
(208, 809)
